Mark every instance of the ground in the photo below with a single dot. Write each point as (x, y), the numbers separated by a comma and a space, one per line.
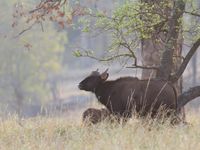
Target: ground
(68, 133)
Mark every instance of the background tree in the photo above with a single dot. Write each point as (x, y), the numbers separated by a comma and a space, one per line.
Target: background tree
(25, 67)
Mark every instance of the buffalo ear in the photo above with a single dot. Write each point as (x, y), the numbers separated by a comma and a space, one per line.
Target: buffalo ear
(104, 75)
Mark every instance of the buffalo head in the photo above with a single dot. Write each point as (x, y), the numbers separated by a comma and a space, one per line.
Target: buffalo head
(93, 80)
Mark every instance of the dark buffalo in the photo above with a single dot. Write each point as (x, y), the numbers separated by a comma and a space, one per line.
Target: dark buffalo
(126, 95)
(94, 116)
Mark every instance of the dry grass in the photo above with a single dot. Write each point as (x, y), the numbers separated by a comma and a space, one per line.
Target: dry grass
(62, 133)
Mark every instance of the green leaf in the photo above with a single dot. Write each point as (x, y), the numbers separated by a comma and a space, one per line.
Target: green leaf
(77, 53)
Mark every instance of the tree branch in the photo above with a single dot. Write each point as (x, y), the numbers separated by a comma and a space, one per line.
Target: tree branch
(143, 67)
(177, 75)
(106, 59)
(192, 13)
(27, 29)
(126, 45)
(54, 4)
(187, 96)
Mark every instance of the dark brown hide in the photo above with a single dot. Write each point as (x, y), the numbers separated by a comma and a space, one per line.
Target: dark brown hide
(126, 95)
(94, 116)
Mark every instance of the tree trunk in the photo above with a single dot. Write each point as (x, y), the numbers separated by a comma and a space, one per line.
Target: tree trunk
(176, 65)
(19, 97)
(153, 51)
(151, 48)
(150, 56)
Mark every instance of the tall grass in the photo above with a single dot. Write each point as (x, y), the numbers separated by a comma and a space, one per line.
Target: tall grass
(62, 133)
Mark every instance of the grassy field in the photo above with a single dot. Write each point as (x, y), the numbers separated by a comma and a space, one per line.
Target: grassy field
(65, 133)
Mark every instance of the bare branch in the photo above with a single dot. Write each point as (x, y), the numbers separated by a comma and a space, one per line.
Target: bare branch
(143, 67)
(126, 45)
(192, 13)
(42, 27)
(23, 31)
(36, 9)
(106, 59)
(54, 4)
(187, 96)
(177, 75)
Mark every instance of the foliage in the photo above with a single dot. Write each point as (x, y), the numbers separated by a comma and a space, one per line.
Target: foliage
(27, 61)
(191, 25)
(133, 21)
(57, 11)
(127, 25)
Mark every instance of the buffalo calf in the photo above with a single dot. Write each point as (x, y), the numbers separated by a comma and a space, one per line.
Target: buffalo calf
(94, 116)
